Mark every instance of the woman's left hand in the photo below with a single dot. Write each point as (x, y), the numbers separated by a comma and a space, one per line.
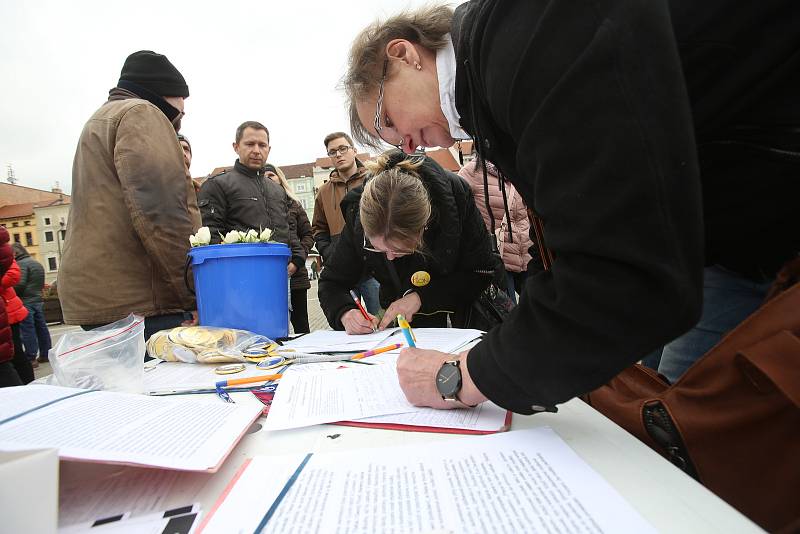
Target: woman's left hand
(406, 306)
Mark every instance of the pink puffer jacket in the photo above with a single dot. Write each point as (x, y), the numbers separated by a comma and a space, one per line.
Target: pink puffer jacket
(515, 254)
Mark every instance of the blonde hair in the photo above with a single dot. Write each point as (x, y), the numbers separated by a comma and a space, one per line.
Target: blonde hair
(283, 181)
(395, 203)
(426, 26)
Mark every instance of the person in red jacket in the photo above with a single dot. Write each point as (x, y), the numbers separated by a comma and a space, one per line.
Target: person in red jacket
(16, 312)
(8, 374)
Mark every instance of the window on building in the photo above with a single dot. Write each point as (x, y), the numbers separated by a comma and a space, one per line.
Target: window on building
(47, 221)
(63, 234)
(16, 238)
(51, 263)
(48, 236)
(29, 239)
(27, 223)
(300, 188)
(14, 224)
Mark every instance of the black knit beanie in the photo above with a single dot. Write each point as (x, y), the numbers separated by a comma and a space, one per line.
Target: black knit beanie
(155, 73)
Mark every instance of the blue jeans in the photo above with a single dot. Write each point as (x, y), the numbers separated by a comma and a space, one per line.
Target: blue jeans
(34, 332)
(369, 288)
(727, 301)
(515, 283)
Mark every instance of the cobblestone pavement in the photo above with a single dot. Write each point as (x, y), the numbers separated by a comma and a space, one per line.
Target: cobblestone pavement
(316, 320)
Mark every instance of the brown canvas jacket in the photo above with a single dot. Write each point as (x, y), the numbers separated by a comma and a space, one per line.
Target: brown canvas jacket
(328, 219)
(133, 209)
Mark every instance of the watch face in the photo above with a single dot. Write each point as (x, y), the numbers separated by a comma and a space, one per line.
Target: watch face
(448, 380)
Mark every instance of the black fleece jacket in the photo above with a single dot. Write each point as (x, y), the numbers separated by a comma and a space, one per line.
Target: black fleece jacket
(241, 199)
(585, 111)
(457, 255)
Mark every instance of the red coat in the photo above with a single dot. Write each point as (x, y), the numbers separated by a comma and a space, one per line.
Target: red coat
(6, 341)
(15, 309)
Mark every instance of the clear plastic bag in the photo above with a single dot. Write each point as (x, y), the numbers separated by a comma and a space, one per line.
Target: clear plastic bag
(109, 358)
(206, 344)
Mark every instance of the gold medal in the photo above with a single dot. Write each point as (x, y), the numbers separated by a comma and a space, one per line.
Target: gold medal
(230, 369)
(420, 278)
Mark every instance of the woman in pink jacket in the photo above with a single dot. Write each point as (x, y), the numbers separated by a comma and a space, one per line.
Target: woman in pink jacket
(512, 233)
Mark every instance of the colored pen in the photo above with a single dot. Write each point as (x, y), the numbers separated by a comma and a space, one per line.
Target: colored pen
(373, 352)
(407, 332)
(361, 308)
(248, 380)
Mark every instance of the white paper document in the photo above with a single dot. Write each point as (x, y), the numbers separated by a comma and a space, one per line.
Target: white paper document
(168, 378)
(338, 341)
(324, 396)
(131, 491)
(184, 433)
(441, 339)
(485, 417)
(521, 481)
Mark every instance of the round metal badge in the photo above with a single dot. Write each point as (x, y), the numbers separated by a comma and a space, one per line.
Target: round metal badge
(230, 369)
(271, 362)
(420, 278)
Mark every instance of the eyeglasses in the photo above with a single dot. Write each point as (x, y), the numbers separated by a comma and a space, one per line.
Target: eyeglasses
(338, 151)
(387, 130)
(397, 253)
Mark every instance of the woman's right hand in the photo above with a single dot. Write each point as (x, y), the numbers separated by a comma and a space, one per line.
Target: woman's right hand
(355, 323)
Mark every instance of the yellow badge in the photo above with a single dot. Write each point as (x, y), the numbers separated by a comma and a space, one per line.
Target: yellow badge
(420, 278)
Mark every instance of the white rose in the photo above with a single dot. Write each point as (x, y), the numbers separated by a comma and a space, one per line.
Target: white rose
(251, 236)
(232, 237)
(203, 236)
(266, 233)
(193, 241)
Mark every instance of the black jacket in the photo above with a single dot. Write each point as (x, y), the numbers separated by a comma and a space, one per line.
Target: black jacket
(456, 248)
(585, 111)
(741, 61)
(31, 281)
(241, 199)
(299, 220)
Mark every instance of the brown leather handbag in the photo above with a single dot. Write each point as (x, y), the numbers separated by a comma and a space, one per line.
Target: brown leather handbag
(732, 421)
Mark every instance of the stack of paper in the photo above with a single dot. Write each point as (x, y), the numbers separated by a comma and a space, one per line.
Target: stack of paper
(523, 481)
(184, 433)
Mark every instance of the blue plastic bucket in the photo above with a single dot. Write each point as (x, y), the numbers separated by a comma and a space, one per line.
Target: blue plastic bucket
(243, 285)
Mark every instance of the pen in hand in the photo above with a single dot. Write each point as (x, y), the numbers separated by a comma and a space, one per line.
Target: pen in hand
(361, 309)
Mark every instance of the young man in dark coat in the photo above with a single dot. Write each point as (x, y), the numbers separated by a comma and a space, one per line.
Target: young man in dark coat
(242, 198)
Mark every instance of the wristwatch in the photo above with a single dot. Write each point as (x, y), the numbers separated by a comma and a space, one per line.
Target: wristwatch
(448, 381)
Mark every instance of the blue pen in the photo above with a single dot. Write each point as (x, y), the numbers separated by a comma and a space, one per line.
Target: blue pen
(409, 335)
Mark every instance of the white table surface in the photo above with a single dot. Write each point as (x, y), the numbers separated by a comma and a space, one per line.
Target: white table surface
(670, 500)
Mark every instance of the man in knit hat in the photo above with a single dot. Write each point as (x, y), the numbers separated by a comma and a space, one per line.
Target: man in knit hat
(133, 206)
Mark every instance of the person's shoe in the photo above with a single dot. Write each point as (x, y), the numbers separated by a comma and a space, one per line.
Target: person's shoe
(34, 363)
(42, 360)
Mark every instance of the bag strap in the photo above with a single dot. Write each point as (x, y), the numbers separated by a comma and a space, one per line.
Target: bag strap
(538, 228)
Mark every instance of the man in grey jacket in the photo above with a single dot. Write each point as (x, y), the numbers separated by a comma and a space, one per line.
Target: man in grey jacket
(33, 329)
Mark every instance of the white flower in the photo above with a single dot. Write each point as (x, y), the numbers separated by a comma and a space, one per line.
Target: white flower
(266, 233)
(232, 237)
(203, 235)
(251, 236)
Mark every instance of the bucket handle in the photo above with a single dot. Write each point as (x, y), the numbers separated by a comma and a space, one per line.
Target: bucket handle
(186, 275)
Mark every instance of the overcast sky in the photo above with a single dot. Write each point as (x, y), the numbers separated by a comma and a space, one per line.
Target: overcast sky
(277, 62)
